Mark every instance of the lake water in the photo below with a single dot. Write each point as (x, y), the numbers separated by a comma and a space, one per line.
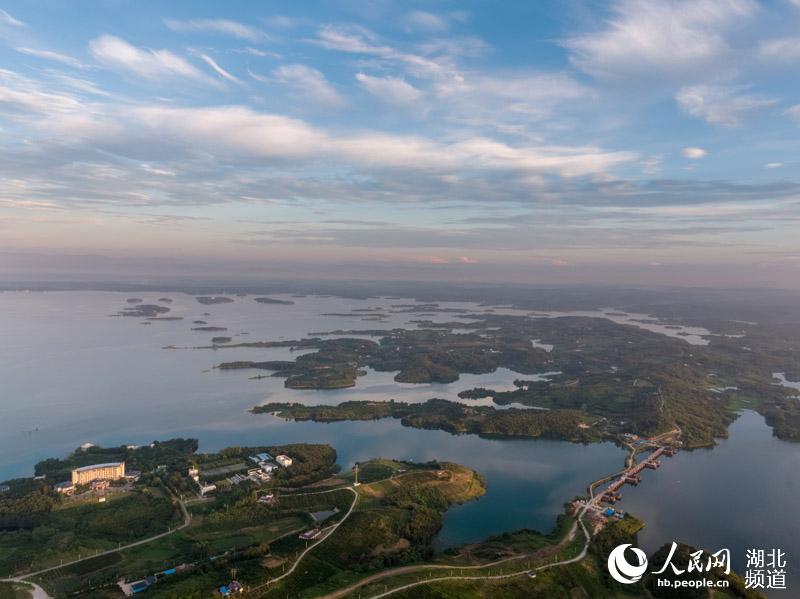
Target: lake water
(740, 495)
(72, 374)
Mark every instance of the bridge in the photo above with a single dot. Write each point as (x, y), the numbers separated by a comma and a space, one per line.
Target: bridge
(632, 475)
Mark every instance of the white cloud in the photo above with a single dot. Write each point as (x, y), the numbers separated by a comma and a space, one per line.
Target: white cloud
(219, 70)
(151, 64)
(359, 40)
(655, 39)
(782, 49)
(81, 85)
(794, 113)
(721, 105)
(421, 20)
(499, 97)
(773, 165)
(50, 55)
(391, 90)
(693, 153)
(9, 20)
(162, 172)
(249, 133)
(223, 26)
(20, 94)
(351, 38)
(309, 83)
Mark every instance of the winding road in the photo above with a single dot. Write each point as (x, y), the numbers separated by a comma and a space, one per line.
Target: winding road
(422, 567)
(40, 593)
(329, 531)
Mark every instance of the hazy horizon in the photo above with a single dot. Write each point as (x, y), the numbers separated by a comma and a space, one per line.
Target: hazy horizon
(551, 143)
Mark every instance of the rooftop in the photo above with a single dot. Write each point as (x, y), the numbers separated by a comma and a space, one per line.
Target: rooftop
(105, 465)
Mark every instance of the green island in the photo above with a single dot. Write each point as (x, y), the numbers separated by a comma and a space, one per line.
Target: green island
(272, 300)
(149, 311)
(210, 300)
(620, 377)
(452, 417)
(282, 521)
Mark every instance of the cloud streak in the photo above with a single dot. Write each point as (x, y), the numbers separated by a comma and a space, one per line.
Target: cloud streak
(219, 26)
(645, 39)
(118, 54)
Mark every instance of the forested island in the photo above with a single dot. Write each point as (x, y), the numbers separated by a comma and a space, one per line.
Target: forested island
(271, 300)
(456, 418)
(183, 521)
(639, 381)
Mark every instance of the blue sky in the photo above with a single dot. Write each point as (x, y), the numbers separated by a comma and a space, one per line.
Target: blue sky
(561, 141)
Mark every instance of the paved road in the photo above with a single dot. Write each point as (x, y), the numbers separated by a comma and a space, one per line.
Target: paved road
(187, 519)
(328, 533)
(422, 567)
(572, 560)
(592, 503)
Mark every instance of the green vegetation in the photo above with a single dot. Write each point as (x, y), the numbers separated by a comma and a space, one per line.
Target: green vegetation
(271, 300)
(476, 393)
(395, 521)
(14, 590)
(622, 378)
(582, 580)
(333, 366)
(394, 524)
(683, 556)
(452, 417)
(150, 311)
(39, 528)
(310, 463)
(174, 454)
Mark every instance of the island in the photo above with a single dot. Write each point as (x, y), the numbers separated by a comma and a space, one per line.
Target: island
(623, 378)
(209, 300)
(149, 311)
(270, 300)
(174, 522)
(453, 417)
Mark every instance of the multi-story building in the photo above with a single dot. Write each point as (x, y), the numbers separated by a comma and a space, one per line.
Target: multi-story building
(109, 471)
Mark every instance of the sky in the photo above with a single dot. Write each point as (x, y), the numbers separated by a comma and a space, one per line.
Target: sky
(559, 141)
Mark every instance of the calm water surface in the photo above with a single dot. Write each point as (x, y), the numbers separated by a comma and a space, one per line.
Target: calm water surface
(740, 495)
(72, 374)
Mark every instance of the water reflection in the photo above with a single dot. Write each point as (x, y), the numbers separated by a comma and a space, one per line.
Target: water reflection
(741, 495)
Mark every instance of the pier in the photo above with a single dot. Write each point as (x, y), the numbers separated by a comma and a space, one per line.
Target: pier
(632, 476)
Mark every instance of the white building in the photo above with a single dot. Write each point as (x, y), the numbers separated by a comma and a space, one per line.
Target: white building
(284, 460)
(65, 488)
(261, 457)
(205, 489)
